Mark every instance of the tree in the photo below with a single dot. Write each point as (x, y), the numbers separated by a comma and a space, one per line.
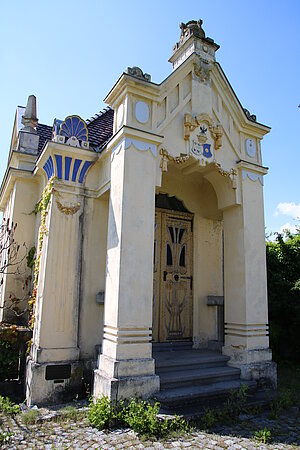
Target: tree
(283, 266)
(11, 258)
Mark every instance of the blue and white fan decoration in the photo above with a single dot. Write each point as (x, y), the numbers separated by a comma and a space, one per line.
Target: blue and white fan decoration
(73, 132)
(74, 126)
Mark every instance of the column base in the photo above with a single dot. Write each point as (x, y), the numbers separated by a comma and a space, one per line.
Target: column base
(53, 382)
(125, 379)
(255, 364)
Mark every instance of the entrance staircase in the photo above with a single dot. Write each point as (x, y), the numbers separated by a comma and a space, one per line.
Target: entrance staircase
(194, 378)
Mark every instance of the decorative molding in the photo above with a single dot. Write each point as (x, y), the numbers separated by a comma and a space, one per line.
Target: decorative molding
(202, 69)
(78, 166)
(246, 330)
(253, 176)
(137, 144)
(249, 116)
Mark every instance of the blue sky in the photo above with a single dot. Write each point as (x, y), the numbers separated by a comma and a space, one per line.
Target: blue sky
(70, 53)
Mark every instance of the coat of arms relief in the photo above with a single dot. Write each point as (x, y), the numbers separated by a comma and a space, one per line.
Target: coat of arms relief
(203, 137)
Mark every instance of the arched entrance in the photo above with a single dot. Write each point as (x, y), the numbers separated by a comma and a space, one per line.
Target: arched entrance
(172, 271)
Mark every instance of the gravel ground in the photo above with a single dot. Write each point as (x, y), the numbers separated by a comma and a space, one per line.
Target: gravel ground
(53, 432)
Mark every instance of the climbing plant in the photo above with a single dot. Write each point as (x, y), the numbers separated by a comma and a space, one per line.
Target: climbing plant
(42, 208)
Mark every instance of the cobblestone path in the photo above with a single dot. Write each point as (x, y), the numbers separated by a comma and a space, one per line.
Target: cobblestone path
(58, 434)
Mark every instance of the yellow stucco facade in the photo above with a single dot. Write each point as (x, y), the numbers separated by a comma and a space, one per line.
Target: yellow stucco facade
(187, 138)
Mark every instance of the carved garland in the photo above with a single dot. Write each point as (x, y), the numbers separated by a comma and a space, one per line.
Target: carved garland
(68, 210)
(165, 157)
(231, 175)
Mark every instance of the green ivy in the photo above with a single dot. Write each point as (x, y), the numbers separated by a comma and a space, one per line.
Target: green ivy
(42, 207)
(30, 258)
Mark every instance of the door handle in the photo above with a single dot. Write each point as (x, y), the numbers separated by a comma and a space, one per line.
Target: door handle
(165, 275)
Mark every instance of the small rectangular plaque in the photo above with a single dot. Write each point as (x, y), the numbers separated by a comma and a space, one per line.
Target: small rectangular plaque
(58, 372)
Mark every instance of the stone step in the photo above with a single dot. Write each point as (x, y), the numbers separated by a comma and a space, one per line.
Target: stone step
(171, 346)
(188, 395)
(189, 359)
(260, 399)
(169, 380)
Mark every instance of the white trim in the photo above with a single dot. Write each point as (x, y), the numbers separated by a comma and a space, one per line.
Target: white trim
(253, 176)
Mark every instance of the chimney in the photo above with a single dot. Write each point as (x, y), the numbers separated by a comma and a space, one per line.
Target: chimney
(29, 119)
(28, 137)
(193, 40)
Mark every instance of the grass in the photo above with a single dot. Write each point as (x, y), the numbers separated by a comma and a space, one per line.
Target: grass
(30, 417)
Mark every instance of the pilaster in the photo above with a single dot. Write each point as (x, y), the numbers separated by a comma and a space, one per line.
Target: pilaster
(54, 371)
(126, 367)
(246, 307)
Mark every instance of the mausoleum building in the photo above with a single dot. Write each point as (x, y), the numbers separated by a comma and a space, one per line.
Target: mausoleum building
(149, 231)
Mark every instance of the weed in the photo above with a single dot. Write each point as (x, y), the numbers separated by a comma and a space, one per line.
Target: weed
(263, 436)
(283, 400)
(209, 419)
(5, 437)
(71, 413)
(8, 407)
(30, 417)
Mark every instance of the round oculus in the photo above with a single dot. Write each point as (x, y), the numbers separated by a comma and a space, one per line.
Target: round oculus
(142, 112)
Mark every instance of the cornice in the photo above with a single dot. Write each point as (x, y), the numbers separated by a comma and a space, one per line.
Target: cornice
(11, 175)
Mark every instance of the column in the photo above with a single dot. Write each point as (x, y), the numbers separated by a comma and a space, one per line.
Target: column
(245, 285)
(126, 367)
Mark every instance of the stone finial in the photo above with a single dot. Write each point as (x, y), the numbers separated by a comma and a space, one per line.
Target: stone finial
(192, 27)
(29, 119)
(137, 72)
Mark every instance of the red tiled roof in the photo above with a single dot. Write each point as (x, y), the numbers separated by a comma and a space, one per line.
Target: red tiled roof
(45, 134)
(101, 128)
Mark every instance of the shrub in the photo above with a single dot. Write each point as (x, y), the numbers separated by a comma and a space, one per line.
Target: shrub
(139, 415)
(8, 407)
(101, 414)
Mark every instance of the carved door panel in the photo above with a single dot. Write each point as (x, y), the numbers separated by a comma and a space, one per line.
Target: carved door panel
(172, 308)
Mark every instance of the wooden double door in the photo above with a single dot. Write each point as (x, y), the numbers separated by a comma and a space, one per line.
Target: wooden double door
(172, 277)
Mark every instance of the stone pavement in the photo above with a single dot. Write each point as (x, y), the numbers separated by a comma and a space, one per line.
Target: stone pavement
(52, 433)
